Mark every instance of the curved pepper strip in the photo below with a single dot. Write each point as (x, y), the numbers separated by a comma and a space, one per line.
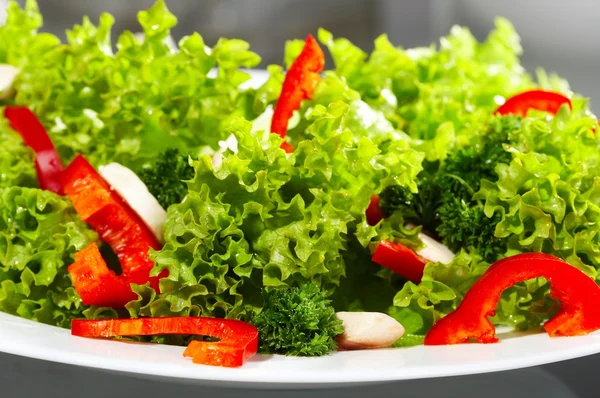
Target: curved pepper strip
(48, 165)
(98, 285)
(541, 100)
(579, 296)
(400, 259)
(119, 226)
(299, 84)
(238, 340)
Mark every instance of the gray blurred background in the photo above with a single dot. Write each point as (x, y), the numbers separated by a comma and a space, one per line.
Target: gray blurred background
(561, 36)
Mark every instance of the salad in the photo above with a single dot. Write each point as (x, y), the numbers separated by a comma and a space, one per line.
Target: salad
(398, 198)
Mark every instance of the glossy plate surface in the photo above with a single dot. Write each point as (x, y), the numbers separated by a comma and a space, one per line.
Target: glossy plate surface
(34, 340)
(30, 339)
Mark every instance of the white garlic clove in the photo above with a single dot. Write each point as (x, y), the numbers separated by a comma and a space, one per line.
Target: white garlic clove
(365, 330)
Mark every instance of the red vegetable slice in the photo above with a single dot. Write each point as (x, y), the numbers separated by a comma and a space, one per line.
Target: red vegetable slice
(95, 283)
(47, 162)
(541, 100)
(287, 147)
(579, 296)
(238, 340)
(119, 226)
(400, 259)
(299, 84)
(374, 212)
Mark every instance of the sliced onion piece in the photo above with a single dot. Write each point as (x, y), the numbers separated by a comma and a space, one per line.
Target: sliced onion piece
(435, 251)
(8, 74)
(133, 190)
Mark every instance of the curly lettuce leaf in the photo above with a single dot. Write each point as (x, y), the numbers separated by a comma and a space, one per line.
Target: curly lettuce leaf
(129, 105)
(21, 42)
(39, 233)
(418, 306)
(269, 219)
(438, 96)
(547, 195)
(544, 199)
(16, 160)
(244, 226)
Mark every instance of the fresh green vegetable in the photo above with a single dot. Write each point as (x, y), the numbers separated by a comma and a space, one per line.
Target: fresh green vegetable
(22, 42)
(126, 106)
(463, 225)
(165, 177)
(39, 232)
(16, 160)
(546, 196)
(542, 199)
(439, 96)
(462, 221)
(267, 219)
(444, 202)
(420, 207)
(464, 169)
(297, 321)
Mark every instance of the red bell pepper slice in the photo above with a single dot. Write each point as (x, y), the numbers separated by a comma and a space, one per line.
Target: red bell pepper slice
(47, 162)
(238, 340)
(541, 100)
(374, 212)
(299, 84)
(400, 259)
(579, 296)
(98, 285)
(287, 147)
(119, 226)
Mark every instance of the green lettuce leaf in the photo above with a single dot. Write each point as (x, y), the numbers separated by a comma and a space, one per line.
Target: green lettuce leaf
(129, 105)
(39, 233)
(544, 199)
(16, 159)
(21, 42)
(438, 96)
(418, 306)
(268, 219)
(547, 195)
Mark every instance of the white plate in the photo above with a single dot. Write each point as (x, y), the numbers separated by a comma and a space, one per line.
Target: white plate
(30, 339)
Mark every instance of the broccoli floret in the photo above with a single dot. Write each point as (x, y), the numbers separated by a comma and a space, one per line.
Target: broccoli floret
(418, 208)
(462, 222)
(443, 203)
(397, 197)
(297, 321)
(165, 177)
(462, 225)
(501, 128)
(465, 168)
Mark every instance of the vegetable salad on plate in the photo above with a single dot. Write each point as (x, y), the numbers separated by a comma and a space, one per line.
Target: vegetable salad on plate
(398, 198)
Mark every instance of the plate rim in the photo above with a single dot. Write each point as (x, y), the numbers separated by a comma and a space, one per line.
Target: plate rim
(255, 377)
